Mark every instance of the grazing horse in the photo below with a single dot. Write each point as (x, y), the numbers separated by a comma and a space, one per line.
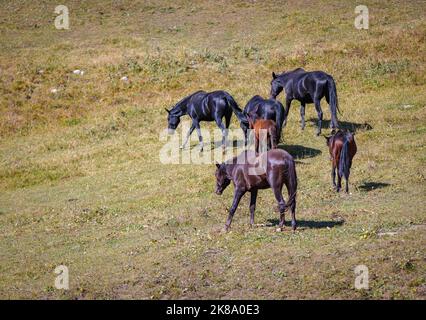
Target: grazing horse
(278, 169)
(342, 149)
(270, 129)
(307, 87)
(261, 109)
(203, 106)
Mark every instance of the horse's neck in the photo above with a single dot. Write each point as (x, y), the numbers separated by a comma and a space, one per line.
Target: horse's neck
(229, 168)
(180, 109)
(284, 79)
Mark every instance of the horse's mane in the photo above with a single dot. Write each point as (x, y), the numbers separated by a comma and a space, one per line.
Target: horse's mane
(178, 106)
(344, 134)
(292, 71)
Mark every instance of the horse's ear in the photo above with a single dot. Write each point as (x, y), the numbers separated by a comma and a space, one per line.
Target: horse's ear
(217, 165)
(168, 111)
(327, 139)
(333, 131)
(273, 75)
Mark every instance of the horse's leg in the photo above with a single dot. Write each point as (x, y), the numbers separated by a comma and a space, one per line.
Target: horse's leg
(293, 206)
(333, 175)
(200, 137)
(237, 197)
(256, 143)
(253, 198)
(287, 109)
(281, 205)
(228, 120)
(188, 135)
(339, 181)
(224, 131)
(319, 112)
(293, 216)
(302, 115)
(347, 185)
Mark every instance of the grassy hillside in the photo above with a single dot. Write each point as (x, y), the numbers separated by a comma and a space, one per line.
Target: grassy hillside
(81, 183)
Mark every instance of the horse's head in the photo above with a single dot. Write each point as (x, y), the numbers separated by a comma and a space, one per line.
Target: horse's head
(173, 121)
(276, 86)
(222, 179)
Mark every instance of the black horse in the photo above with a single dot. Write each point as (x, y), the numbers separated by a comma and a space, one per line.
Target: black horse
(203, 106)
(269, 109)
(307, 87)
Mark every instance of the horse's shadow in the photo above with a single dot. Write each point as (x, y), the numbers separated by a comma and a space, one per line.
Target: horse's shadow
(300, 152)
(369, 186)
(297, 151)
(311, 224)
(351, 126)
(230, 144)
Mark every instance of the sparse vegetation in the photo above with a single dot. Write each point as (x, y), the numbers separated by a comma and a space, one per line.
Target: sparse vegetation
(81, 183)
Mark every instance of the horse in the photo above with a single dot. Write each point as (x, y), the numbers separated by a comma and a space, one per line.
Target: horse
(262, 109)
(203, 106)
(342, 149)
(307, 87)
(270, 129)
(278, 169)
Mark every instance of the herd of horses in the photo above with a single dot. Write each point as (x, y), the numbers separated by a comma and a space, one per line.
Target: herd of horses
(271, 116)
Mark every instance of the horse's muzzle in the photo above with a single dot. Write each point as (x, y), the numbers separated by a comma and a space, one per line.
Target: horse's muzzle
(218, 192)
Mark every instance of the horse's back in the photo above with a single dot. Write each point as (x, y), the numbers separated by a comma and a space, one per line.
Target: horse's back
(337, 144)
(279, 154)
(197, 97)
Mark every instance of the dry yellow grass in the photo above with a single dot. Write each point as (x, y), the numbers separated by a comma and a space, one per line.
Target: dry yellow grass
(81, 183)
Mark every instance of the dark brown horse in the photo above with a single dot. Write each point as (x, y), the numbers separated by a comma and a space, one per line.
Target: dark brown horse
(249, 173)
(342, 149)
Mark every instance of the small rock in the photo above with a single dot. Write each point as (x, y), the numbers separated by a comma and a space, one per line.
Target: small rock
(77, 71)
(124, 79)
(54, 90)
(407, 106)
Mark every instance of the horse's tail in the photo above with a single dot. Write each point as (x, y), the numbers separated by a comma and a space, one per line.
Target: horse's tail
(332, 98)
(273, 135)
(235, 108)
(292, 184)
(345, 161)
